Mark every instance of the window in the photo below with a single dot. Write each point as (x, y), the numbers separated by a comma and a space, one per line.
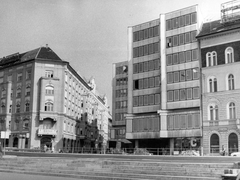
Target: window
(140, 67)
(3, 107)
(157, 81)
(232, 111)
(19, 77)
(145, 50)
(151, 82)
(49, 90)
(196, 93)
(229, 55)
(135, 68)
(169, 59)
(187, 19)
(135, 84)
(189, 74)
(182, 94)
(157, 99)
(213, 85)
(175, 40)
(182, 76)
(145, 81)
(18, 107)
(49, 74)
(230, 82)
(170, 96)
(176, 95)
(182, 21)
(146, 66)
(169, 42)
(145, 100)
(214, 58)
(28, 74)
(140, 100)
(181, 39)
(193, 18)
(156, 64)
(213, 112)
(188, 56)
(175, 58)
(176, 76)
(28, 90)
(187, 37)
(189, 93)
(135, 101)
(151, 65)
(25, 124)
(27, 107)
(181, 57)
(48, 106)
(193, 36)
(194, 54)
(151, 99)
(169, 24)
(209, 59)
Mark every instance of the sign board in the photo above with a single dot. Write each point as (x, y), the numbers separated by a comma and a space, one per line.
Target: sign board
(5, 134)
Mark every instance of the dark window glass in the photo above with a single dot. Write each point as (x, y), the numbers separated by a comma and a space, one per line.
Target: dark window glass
(188, 56)
(175, 58)
(181, 57)
(182, 76)
(176, 76)
(187, 38)
(187, 19)
(169, 59)
(169, 77)
(140, 67)
(193, 18)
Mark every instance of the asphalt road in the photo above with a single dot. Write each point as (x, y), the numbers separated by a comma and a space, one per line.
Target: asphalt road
(153, 158)
(16, 176)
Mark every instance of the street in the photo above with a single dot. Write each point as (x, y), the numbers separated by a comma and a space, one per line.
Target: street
(16, 176)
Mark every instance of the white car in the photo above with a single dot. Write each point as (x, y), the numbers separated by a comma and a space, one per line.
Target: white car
(235, 154)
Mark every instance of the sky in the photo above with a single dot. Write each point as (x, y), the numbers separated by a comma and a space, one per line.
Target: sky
(90, 34)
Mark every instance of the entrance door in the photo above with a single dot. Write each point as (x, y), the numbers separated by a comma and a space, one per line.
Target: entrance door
(214, 143)
(232, 143)
(46, 141)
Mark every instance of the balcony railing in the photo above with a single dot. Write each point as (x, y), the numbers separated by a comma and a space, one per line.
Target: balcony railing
(52, 132)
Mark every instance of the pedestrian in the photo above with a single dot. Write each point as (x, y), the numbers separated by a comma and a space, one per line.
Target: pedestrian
(223, 150)
(1, 151)
(45, 148)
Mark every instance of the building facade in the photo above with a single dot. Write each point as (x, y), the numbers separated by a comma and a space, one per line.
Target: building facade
(219, 42)
(163, 109)
(44, 101)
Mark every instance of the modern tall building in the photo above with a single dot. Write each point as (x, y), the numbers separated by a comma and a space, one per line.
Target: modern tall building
(163, 82)
(119, 101)
(44, 101)
(220, 53)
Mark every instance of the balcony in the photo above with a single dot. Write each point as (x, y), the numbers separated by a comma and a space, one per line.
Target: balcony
(52, 132)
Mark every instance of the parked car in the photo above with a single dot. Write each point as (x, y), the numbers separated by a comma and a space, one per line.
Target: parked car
(235, 154)
(141, 151)
(190, 153)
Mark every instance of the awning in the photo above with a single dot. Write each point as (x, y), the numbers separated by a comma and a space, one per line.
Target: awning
(121, 140)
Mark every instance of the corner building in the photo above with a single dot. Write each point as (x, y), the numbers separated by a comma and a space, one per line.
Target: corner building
(163, 82)
(44, 101)
(220, 54)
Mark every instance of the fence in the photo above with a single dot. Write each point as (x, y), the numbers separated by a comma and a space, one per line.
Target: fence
(132, 151)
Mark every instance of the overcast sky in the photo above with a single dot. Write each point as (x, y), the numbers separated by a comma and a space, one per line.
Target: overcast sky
(90, 34)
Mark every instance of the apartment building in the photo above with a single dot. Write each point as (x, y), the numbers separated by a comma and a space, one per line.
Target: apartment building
(163, 82)
(44, 101)
(219, 43)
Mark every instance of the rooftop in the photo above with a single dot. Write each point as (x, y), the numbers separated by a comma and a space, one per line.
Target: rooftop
(217, 26)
